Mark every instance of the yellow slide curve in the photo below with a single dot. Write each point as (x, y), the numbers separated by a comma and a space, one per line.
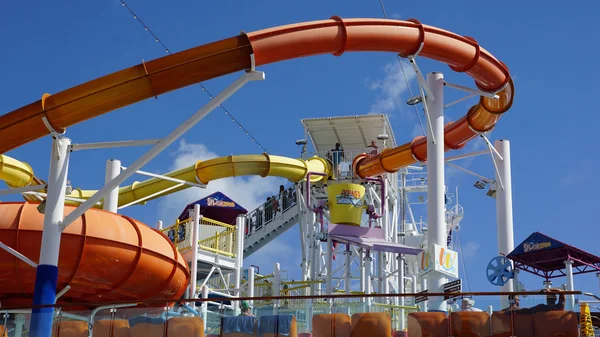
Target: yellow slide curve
(18, 174)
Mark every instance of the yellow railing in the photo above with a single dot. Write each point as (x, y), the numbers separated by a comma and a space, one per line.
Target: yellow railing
(214, 236)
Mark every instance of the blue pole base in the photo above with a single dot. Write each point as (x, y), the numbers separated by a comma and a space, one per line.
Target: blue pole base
(44, 294)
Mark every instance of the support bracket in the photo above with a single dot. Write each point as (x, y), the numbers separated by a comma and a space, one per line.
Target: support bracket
(22, 189)
(493, 151)
(18, 255)
(163, 144)
(472, 91)
(107, 145)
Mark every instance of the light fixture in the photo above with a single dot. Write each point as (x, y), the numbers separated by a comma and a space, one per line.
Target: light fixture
(480, 184)
(492, 191)
(41, 208)
(415, 100)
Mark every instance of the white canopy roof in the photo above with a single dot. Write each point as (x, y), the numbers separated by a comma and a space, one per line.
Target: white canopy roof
(352, 132)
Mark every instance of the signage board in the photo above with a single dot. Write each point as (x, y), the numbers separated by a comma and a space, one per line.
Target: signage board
(452, 287)
(439, 259)
(421, 298)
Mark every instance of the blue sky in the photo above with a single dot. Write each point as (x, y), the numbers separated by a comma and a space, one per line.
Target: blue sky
(50, 47)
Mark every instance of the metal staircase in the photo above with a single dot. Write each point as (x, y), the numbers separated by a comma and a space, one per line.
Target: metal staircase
(270, 220)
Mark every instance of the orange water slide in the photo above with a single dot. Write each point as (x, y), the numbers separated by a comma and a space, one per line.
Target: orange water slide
(334, 36)
(103, 257)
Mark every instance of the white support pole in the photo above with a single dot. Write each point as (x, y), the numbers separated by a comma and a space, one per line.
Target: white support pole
(159, 225)
(276, 287)
(47, 270)
(196, 218)
(362, 271)
(163, 144)
(19, 323)
(329, 285)
(111, 201)
(425, 305)
(240, 225)
(368, 278)
(250, 283)
(383, 284)
(436, 220)
(570, 305)
(401, 290)
(347, 271)
(204, 306)
(504, 209)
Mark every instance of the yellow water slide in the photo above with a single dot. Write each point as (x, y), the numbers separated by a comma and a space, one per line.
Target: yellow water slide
(18, 174)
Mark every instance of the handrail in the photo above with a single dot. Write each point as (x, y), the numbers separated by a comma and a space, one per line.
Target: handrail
(246, 298)
(207, 242)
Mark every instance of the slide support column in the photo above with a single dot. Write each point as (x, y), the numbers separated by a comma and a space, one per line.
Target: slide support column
(504, 209)
(111, 200)
(436, 220)
(47, 271)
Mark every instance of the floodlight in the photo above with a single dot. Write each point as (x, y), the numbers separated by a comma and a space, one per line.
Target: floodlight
(415, 100)
(42, 207)
(480, 184)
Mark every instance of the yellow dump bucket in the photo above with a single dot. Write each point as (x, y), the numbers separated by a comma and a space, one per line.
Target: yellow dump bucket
(345, 203)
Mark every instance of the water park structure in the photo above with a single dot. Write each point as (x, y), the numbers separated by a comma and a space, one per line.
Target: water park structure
(347, 201)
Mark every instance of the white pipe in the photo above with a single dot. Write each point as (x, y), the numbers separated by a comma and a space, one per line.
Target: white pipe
(240, 223)
(111, 200)
(196, 218)
(63, 291)
(504, 209)
(435, 182)
(368, 278)
(19, 322)
(18, 255)
(53, 209)
(17, 190)
(163, 144)
(570, 305)
(329, 286)
(276, 287)
(401, 290)
(107, 145)
(204, 306)
(362, 271)
(250, 283)
(347, 272)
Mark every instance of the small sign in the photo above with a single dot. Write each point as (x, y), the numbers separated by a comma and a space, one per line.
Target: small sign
(452, 287)
(422, 298)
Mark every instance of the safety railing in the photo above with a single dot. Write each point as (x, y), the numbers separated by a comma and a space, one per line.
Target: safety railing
(341, 160)
(214, 236)
(274, 207)
(482, 314)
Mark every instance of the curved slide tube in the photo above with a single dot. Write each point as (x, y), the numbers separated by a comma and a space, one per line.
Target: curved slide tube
(103, 257)
(19, 174)
(223, 167)
(335, 36)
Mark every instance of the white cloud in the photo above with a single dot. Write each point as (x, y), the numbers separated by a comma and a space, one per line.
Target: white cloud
(470, 249)
(579, 176)
(249, 192)
(391, 88)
